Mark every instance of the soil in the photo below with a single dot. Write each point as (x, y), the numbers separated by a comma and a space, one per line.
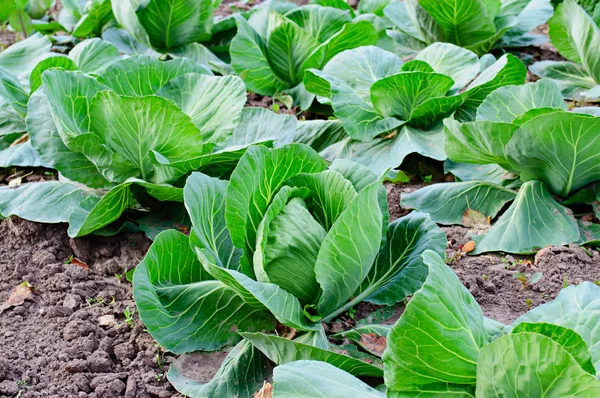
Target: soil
(70, 338)
(491, 277)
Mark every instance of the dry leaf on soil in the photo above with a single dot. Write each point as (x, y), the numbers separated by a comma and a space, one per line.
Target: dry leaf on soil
(18, 296)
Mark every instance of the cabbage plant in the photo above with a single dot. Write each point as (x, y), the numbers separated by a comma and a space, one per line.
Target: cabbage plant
(85, 18)
(273, 48)
(287, 242)
(127, 137)
(523, 131)
(442, 345)
(576, 37)
(477, 25)
(21, 68)
(390, 108)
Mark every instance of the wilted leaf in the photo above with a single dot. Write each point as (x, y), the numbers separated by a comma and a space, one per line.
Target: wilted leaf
(79, 263)
(469, 246)
(373, 343)
(265, 392)
(18, 296)
(475, 219)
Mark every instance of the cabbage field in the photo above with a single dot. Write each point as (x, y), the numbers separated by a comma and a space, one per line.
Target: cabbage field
(285, 199)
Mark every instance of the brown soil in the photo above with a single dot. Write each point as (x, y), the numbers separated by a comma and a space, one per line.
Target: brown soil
(53, 344)
(490, 279)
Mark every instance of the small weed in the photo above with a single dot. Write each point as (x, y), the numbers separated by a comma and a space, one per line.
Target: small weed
(427, 179)
(485, 277)
(23, 383)
(159, 377)
(529, 303)
(565, 281)
(129, 313)
(597, 282)
(70, 260)
(275, 107)
(160, 356)
(352, 313)
(535, 278)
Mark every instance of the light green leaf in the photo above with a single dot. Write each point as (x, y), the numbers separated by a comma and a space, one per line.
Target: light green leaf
(94, 212)
(255, 181)
(46, 202)
(249, 60)
(97, 14)
(70, 95)
(127, 44)
(241, 374)
(300, 379)
(284, 306)
(282, 351)
(331, 195)
(559, 148)
(349, 250)
(576, 36)
(22, 155)
(12, 93)
(214, 103)
(129, 132)
(60, 62)
(143, 75)
(182, 309)
(479, 142)
(491, 173)
(350, 75)
(383, 153)
(402, 95)
(533, 221)
(531, 365)
(321, 23)
(568, 76)
(125, 12)
(567, 338)
(319, 134)
(94, 55)
(507, 103)
(205, 202)
(288, 47)
(47, 142)
(202, 55)
(424, 350)
(20, 58)
(359, 175)
(508, 70)
(446, 203)
(289, 248)
(465, 23)
(170, 24)
(352, 35)
(455, 62)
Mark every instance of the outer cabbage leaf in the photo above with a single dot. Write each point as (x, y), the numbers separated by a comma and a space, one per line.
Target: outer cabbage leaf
(533, 221)
(241, 373)
(427, 354)
(314, 378)
(182, 308)
(531, 365)
(447, 203)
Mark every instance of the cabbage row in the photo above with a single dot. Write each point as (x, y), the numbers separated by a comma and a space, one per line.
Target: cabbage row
(268, 227)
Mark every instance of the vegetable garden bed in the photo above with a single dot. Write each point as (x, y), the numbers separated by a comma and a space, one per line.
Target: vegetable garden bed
(299, 199)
